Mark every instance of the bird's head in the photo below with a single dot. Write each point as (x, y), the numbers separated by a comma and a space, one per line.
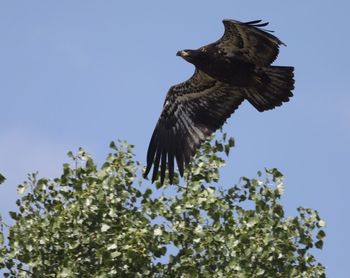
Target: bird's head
(189, 55)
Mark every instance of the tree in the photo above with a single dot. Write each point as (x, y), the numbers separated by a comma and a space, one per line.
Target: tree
(104, 222)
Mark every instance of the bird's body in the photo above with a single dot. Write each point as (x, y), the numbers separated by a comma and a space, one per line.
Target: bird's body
(235, 68)
(233, 71)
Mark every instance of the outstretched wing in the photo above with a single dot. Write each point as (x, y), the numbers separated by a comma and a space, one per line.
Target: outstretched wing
(249, 42)
(192, 111)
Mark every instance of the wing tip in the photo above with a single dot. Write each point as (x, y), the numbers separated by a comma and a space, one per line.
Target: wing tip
(256, 23)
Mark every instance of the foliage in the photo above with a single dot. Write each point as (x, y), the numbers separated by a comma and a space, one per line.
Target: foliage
(104, 222)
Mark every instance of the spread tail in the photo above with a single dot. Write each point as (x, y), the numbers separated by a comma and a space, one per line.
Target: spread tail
(273, 87)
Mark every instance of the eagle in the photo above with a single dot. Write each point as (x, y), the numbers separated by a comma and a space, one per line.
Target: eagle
(235, 68)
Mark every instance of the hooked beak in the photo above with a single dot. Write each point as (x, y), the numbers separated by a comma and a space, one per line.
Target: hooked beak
(182, 53)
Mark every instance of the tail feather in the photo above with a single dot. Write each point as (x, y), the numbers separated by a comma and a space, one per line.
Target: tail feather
(274, 86)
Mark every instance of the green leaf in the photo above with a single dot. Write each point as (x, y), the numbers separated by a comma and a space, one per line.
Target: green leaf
(275, 174)
(2, 178)
(321, 223)
(321, 235)
(13, 215)
(319, 244)
(22, 188)
(115, 254)
(231, 142)
(105, 227)
(112, 145)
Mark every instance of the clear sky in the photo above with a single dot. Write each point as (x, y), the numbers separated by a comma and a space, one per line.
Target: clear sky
(83, 73)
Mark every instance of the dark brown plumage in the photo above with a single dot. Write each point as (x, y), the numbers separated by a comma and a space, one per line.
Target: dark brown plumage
(234, 68)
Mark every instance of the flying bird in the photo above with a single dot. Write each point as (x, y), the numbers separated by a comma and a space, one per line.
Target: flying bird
(235, 68)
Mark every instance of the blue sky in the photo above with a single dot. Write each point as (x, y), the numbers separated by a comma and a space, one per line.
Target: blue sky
(83, 73)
